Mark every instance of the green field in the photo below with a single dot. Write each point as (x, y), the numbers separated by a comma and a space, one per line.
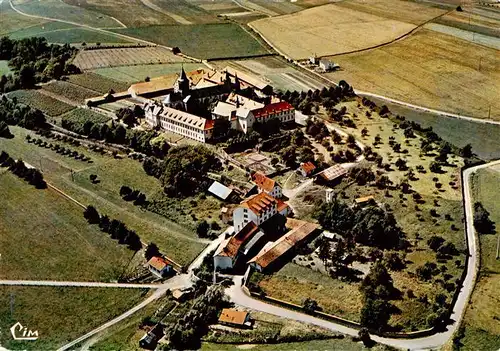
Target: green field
(72, 92)
(345, 344)
(4, 67)
(201, 41)
(60, 10)
(58, 32)
(97, 82)
(49, 230)
(483, 137)
(82, 115)
(60, 315)
(482, 318)
(13, 21)
(132, 74)
(174, 240)
(47, 104)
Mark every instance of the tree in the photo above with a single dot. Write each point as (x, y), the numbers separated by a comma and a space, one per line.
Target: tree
(378, 283)
(93, 178)
(324, 251)
(91, 215)
(435, 242)
(375, 314)
(4, 130)
(401, 164)
(364, 132)
(364, 336)
(466, 151)
(310, 305)
(151, 251)
(202, 228)
(435, 167)
(482, 221)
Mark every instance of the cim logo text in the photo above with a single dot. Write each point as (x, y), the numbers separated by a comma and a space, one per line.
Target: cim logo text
(19, 332)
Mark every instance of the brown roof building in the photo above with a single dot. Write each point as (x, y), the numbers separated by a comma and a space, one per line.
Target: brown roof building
(267, 185)
(260, 203)
(234, 318)
(307, 168)
(332, 173)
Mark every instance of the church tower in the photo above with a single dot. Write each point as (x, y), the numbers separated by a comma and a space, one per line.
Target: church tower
(182, 84)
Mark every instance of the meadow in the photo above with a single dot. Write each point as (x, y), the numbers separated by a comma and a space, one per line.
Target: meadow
(60, 10)
(429, 69)
(328, 30)
(133, 74)
(60, 314)
(4, 67)
(72, 176)
(202, 41)
(481, 322)
(46, 104)
(13, 21)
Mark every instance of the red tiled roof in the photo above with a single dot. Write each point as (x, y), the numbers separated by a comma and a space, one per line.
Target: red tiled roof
(259, 203)
(158, 263)
(263, 182)
(209, 124)
(308, 167)
(239, 239)
(233, 317)
(281, 205)
(333, 172)
(272, 109)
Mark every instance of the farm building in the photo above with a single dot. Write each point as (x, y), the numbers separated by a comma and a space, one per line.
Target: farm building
(179, 122)
(365, 200)
(331, 175)
(307, 168)
(150, 340)
(160, 266)
(267, 185)
(221, 191)
(274, 253)
(235, 318)
(326, 65)
(237, 246)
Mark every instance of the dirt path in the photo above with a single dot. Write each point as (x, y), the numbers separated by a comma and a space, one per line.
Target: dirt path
(177, 18)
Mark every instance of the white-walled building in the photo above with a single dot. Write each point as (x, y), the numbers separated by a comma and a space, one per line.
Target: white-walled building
(267, 185)
(280, 110)
(179, 122)
(257, 209)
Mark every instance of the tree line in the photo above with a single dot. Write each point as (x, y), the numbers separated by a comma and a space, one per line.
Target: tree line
(129, 194)
(33, 60)
(32, 175)
(14, 113)
(115, 228)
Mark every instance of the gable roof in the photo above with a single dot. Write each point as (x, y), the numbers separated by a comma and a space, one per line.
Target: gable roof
(232, 316)
(158, 263)
(273, 109)
(259, 203)
(246, 78)
(300, 230)
(333, 172)
(308, 167)
(242, 101)
(220, 190)
(264, 182)
(172, 114)
(231, 247)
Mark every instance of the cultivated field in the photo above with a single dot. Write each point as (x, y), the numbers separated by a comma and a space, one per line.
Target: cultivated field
(97, 82)
(429, 69)
(178, 242)
(133, 74)
(71, 92)
(82, 115)
(60, 10)
(482, 324)
(328, 30)
(46, 228)
(91, 59)
(60, 314)
(201, 41)
(46, 104)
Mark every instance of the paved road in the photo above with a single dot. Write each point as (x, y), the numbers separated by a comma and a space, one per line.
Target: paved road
(79, 284)
(237, 295)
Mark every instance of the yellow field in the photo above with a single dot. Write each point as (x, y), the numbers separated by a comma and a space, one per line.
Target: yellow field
(328, 30)
(429, 69)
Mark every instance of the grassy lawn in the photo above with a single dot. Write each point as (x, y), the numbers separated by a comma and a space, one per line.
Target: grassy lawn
(60, 314)
(176, 241)
(46, 237)
(4, 67)
(60, 10)
(97, 82)
(294, 283)
(46, 104)
(137, 73)
(201, 41)
(482, 318)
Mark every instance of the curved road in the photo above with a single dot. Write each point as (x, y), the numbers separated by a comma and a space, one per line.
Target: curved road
(437, 340)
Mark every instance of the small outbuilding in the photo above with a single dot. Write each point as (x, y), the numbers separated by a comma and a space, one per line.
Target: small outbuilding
(220, 191)
(365, 200)
(307, 168)
(150, 340)
(233, 318)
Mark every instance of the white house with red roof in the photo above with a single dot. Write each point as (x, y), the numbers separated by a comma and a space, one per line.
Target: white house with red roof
(267, 185)
(159, 266)
(258, 209)
(281, 110)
